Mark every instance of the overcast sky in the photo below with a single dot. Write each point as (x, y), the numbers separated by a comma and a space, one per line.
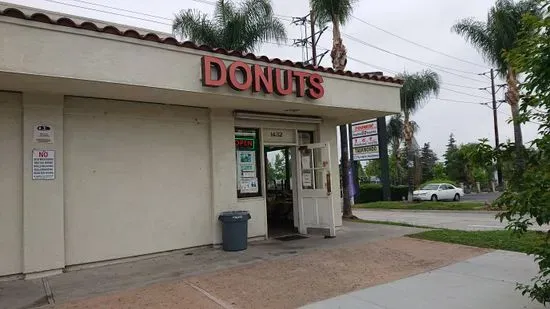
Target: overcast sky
(426, 22)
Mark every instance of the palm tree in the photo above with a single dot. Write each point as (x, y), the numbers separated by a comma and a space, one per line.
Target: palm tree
(396, 136)
(241, 28)
(417, 89)
(493, 38)
(337, 12)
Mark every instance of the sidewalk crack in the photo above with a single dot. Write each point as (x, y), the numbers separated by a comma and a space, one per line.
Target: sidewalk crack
(48, 291)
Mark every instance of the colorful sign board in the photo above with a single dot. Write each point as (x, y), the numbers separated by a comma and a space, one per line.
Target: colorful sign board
(366, 153)
(364, 129)
(365, 140)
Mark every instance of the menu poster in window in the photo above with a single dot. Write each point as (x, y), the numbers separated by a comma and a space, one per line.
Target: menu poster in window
(307, 180)
(249, 185)
(246, 157)
(248, 167)
(306, 161)
(245, 174)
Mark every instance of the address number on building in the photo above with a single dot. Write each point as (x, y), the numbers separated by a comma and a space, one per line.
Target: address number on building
(43, 164)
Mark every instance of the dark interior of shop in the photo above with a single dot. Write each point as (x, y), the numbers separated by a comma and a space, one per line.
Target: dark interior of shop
(280, 206)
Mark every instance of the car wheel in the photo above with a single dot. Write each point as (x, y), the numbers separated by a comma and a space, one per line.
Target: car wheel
(457, 197)
(434, 198)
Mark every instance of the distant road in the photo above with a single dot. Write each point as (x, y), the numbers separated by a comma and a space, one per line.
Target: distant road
(457, 220)
(482, 197)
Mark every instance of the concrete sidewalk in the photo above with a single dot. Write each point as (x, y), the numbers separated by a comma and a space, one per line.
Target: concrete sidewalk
(176, 266)
(456, 220)
(487, 281)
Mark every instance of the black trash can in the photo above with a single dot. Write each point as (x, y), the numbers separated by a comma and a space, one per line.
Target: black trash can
(234, 230)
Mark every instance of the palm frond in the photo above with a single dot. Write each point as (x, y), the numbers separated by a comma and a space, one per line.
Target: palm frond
(499, 33)
(196, 27)
(327, 10)
(418, 88)
(477, 34)
(241, 28)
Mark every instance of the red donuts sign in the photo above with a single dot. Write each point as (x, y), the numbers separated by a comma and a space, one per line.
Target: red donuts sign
(261, 79)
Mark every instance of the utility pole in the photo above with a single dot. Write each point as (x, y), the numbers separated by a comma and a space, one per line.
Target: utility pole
(495, 118)
(309, 40)
(313, 41)
(495, 123)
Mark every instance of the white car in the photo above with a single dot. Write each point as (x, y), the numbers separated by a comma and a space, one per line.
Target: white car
(438, 192)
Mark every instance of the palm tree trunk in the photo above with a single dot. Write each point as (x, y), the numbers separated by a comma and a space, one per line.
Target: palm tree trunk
(339, 59)
(338, 53)
(512, 97)
(395, 155)
(347, 212)
(409, 153)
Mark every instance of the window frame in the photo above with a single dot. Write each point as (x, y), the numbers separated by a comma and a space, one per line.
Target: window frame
(258, 157)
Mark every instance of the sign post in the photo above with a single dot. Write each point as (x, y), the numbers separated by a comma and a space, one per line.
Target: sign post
(365, 140)
(384, 159)
(370, 142)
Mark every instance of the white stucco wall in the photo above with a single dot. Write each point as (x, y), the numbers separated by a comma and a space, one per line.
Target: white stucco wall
(11, 184)
(43, 230)
(137, 179)
(133, 178)
(43, 49)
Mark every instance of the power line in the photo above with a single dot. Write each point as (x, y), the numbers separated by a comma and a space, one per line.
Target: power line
(464, 93)
(417, 44)
(462, 86)
(120, 9)
(283, 17)
(459, 101)
(213, 3)
(433, 66)
(366, 63)
(405, 57)
(108, 12)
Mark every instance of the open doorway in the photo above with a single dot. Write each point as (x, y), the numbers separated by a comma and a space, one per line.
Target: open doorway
(279, 188)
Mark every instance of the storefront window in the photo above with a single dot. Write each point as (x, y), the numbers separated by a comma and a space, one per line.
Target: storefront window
(247, 151)
(305, 137)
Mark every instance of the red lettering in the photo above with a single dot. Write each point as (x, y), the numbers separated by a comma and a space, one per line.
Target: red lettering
(282, 86)
(244, 143)
(263, 79)
(316, 89)
(300, 83)
(232, 74)
(208, 63)
(43, 154)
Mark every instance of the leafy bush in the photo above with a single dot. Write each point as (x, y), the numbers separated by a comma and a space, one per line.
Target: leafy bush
(369, 193)
(398, 193)
(527, 198)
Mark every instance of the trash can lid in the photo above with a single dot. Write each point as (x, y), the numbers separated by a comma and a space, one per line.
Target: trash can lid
(235, 215)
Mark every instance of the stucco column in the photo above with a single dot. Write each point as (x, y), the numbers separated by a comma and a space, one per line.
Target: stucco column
(224, 187)
(43, 219)
(327, 133)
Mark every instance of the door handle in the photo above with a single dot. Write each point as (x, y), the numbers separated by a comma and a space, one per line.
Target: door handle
(328, 185)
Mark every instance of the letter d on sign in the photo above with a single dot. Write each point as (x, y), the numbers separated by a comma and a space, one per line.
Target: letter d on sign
(208, 63)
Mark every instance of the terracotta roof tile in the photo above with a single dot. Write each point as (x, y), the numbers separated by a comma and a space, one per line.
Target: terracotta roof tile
(90, 26)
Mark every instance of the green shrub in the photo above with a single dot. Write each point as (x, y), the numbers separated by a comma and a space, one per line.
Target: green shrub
(373, 193)
(369, 193)
(398, 193)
